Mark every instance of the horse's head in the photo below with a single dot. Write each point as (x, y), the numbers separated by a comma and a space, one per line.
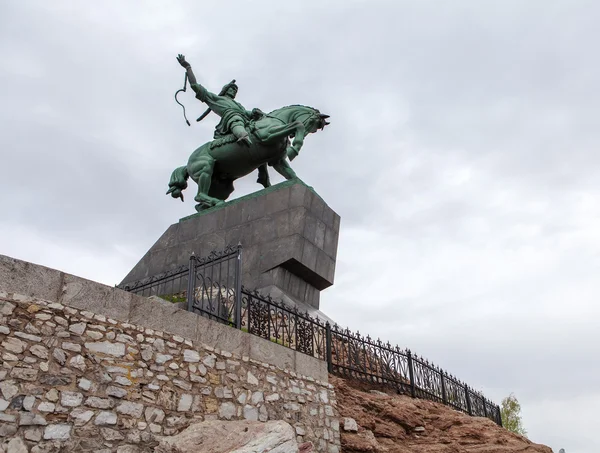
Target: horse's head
(314, 121)
(311, 118)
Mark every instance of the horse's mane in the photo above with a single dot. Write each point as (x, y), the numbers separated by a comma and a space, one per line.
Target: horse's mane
(293, 105)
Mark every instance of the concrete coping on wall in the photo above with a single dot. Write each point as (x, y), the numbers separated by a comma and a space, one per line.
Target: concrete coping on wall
(40, 282)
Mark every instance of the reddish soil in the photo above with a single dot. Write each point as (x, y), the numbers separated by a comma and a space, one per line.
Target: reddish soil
(393, 423)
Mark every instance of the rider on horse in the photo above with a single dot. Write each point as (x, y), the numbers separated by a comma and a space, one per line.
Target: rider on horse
(234, 117)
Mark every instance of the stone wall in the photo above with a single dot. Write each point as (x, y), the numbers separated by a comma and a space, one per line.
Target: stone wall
(91, 368)
(40, 282)
(90, 382)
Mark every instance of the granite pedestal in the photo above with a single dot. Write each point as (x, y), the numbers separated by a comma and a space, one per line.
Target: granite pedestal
(288, 233)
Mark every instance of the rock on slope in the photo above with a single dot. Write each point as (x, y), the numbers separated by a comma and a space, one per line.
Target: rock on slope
(235, 437)
(399, 424)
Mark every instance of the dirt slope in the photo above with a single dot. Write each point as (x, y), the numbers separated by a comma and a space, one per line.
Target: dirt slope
(399, 424)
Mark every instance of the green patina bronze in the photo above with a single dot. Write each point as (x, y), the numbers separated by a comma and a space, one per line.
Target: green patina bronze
(244, 141)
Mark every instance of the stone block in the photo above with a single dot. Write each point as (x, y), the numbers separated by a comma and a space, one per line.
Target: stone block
(87, 295)
(320, 234)
(298, 220)
(280, 223)
(324, 265)
(210, 242)
(272, 353)
(163, 315)
(336, 222)
(187, 231)
(84, 294)
(277, 200)
(239, 234)
(168, 239)
(268, 278)
(317, 206)
(149, 312)
(119, 305)
(61, 431)
(330, 243)
(253, 209)
(331, 272)
(311, 366)
(297, 193)
(279, 251)
(223, 337)
(157, 262)
(232, 217)
(183, 323)
(310, 228)
(310, 253)
(328, 217)
(308, 198)
(263, 231)
(21, 277)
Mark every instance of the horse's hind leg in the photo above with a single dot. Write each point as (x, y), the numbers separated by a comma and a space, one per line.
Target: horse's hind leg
(201, 171)
(263, 176)
(221, 188)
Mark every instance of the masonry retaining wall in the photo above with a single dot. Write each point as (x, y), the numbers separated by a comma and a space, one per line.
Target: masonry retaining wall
(94, 368)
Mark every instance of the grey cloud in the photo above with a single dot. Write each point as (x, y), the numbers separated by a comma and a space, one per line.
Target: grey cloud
(461, 157)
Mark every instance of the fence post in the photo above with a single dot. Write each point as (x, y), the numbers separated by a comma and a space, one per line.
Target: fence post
(238, 288)
(442, 380)
(498, 416)
(328, 347)
(468, 398)
(411, 374)
(295, 329)
(191, 282)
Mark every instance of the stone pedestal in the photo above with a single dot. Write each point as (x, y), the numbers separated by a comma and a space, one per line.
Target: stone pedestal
(288, 233)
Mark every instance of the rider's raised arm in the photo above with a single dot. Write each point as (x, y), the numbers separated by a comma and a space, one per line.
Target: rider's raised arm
(188, 67)
(201, 93)
(190, 74)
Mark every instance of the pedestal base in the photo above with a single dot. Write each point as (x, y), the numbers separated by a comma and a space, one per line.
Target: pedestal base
(288, 234)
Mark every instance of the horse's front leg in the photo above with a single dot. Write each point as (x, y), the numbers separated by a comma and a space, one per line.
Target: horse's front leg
(201, 171)
(293, 150)
(284, 169)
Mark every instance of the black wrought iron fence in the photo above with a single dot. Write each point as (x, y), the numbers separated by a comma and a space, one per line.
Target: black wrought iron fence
(362, 358)
(170, 285)
(274, 321)
(209, 286)
(212, 287)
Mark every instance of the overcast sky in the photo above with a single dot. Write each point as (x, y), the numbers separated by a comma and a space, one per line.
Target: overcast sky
(462, 157)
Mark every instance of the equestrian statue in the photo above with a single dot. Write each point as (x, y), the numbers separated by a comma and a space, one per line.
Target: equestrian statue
(244, 141)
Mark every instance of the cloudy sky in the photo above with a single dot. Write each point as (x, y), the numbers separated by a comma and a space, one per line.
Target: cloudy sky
(462, 158)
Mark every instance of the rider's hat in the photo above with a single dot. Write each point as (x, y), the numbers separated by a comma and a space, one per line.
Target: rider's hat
(231, 84)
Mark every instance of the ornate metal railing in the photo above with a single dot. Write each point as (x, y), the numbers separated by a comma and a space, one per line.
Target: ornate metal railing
(214, 286)
(170, 283)
(357, 357)
(274, 321)
(211, 287)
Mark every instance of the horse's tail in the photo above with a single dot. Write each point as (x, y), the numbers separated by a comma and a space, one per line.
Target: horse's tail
(178, 182)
